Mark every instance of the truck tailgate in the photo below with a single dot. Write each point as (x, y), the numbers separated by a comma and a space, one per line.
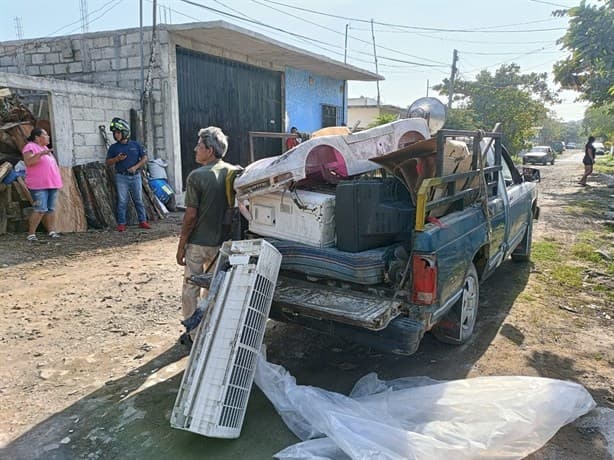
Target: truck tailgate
(330, 303)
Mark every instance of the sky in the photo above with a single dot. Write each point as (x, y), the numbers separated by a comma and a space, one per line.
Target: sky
(415, 39)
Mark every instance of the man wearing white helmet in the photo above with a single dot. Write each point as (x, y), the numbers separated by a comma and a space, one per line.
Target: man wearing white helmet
(128, 157)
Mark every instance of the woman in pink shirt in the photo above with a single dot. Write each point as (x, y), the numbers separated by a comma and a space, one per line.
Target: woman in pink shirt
(43, 179)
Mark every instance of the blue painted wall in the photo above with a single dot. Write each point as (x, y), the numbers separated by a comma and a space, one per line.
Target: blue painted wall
(304, 99)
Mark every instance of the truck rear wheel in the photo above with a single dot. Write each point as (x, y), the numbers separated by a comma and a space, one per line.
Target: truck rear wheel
(457, 326)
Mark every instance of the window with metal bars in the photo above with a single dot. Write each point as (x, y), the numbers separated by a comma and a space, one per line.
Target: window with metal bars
(329, 115)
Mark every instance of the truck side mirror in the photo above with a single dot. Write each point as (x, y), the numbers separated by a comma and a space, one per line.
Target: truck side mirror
(531, 174)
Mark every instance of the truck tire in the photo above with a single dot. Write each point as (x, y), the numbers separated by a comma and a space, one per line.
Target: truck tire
(524, 254)
(457, 326)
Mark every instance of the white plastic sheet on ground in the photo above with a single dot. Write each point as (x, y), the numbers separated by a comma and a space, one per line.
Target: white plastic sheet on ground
(420, 418)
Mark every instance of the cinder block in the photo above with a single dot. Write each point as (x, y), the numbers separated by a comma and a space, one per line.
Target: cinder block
(102, 65)
(95, 53)
(60, 69)
(52, 58)
(134, 37)
(103, 102)
(119, 64)
(38, 59)
(101, 42)
(80, 100)
(96, 115)
(134, 62)
(78, 140)
(33, 70)
(7, 60)
(84, 126)
(109, 53)
(93, 140)
(75, 67)
(46, 70)
(130, 51)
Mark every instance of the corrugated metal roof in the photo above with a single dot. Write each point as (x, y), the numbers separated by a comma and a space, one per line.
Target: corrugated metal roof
(258, 47)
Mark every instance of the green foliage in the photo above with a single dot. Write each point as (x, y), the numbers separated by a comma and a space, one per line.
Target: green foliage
(599, 121)
(567, 275)
(460, 119)
(585, 251)
(382, 119)
(552, 130)
(514, 99)
(605, 164)
(546, 251)
(589, 68)
(572, 132)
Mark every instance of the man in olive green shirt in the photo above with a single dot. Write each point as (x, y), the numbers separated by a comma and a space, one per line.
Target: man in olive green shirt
(206, 204)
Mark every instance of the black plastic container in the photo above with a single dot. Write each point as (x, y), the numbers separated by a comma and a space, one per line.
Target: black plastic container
(372, 212)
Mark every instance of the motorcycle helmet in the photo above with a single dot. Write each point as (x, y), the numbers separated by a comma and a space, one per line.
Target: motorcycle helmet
(121, 125)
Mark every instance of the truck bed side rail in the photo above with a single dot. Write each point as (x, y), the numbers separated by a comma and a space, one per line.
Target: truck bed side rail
(456, 199)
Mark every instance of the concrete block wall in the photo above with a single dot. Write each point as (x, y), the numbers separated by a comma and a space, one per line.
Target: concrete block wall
(111, 59)
(77, 110)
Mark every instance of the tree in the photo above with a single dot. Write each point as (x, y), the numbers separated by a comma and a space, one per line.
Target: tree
(461, 118)
(552, 130)
(514, 99)
(572, 131)
(599, 122)
(589, 69)
(382, 119)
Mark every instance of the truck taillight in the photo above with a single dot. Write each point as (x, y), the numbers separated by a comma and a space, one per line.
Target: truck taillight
(424, 276)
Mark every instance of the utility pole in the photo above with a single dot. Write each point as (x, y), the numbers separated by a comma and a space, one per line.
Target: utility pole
(142, 56)
(345, 54)
(452, 76)
(18, 28)
(84, 23)
(375, 58)
(427, 87)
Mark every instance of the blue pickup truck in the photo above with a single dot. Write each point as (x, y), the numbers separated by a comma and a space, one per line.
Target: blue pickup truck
(413, 237)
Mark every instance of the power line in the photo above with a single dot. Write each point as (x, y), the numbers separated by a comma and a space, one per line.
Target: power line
(309, 39)
(351, 36)
(508, 60)
(322, 45)
(549, 3)
(402, 26)
(112, 3)
(387, 30)
(476, 53)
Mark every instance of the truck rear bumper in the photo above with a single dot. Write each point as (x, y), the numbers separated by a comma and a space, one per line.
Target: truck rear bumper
(402, 336)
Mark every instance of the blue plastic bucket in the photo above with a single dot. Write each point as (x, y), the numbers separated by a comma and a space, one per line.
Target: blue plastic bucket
(161, 188)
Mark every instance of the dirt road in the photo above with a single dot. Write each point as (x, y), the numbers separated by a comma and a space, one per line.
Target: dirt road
(90, 363)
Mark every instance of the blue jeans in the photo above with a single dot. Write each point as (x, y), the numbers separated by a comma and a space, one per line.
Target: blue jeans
(129, 186)
(44, 200)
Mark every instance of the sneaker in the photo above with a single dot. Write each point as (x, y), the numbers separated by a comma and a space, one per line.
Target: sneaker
(144, 225)
(31, 238)
(54, 235)
(121, 228)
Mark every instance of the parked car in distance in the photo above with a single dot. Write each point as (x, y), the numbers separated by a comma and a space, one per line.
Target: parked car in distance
(558, 146)
(542, 154)
(572, 145)
(599, 148)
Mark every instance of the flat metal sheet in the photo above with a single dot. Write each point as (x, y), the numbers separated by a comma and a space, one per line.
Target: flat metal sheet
(345, 306)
